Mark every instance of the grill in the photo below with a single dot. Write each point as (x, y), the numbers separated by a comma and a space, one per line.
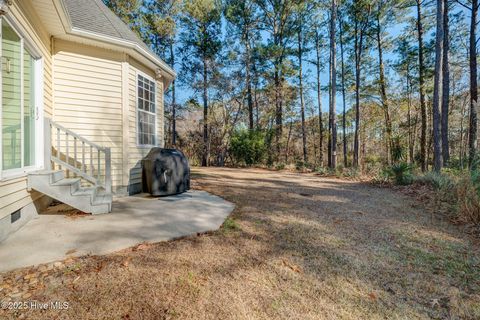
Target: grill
(165, 172)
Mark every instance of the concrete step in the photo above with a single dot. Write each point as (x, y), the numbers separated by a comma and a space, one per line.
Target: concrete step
(70, 191)
(55, 175)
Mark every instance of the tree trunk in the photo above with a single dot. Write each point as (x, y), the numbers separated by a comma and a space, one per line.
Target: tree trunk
(383, 93)
(289, 138)
(421, 79)
(174, 104)
(257, 112)
(344, 113)
(409, 120)
(248, 82)
(437, 90)
(278, 81)
(358, 46)
(333, 90)
(462, 136)
(319, 95)
(357, 98)
(205, 115)
(302, 103)
(445, 86)
(472, 139)
(278, 111)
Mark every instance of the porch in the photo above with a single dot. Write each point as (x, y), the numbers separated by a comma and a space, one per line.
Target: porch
(133, 220)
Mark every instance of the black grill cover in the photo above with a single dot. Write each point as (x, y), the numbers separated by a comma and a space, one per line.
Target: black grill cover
(165, 172)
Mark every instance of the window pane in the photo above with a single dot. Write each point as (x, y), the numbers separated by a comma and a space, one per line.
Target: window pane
(11, 99)
(146, 106)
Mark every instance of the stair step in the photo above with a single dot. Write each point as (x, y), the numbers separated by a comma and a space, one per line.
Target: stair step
(55, 175)
(101, 199)
(85, 191)
(101, 208)
(66, 182)
(92, 199)
(42, 172)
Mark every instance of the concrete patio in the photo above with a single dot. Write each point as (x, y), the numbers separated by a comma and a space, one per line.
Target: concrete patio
(133, 220)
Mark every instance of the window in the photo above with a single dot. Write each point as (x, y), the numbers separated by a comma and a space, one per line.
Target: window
(18, 112)
(147, 116)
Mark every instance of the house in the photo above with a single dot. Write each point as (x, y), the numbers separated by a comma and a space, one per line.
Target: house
(82, 104)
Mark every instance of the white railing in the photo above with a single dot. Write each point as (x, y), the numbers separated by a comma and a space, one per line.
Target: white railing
(68, 151)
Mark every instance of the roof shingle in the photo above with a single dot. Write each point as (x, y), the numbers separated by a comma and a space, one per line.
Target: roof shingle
(94, 16)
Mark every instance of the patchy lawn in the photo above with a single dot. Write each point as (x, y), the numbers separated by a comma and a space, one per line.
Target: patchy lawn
(296, 247)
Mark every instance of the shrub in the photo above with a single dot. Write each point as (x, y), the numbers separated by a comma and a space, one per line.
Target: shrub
(323, 171)
(382, 177)
(248, 146)
(280, 166)
(350, 173)
(300, 165)
(460, 189)
(440, 182)
(468, 201)
(401, 173)
(398, 151)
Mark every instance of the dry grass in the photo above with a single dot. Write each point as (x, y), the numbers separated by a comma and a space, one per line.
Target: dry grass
(296, 247)
(469, 201)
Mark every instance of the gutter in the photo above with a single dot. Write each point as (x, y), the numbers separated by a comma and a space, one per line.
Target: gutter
(171, 74)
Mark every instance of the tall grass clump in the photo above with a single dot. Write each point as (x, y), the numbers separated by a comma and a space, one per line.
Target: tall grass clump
(468, 194)
(468, 198)
(460, 189)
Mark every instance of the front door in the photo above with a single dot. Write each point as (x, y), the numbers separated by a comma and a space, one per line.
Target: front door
(19, 111)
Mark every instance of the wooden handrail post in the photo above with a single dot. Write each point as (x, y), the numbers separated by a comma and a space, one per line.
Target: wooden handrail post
(47, 147)
(108, 171)
(82, 169)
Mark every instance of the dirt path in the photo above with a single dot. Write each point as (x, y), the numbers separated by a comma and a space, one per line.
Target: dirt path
(296, 247)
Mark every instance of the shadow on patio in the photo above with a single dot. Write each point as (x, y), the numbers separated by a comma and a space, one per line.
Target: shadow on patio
(133, 220)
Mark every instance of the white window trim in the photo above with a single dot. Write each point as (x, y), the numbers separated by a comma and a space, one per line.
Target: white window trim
(27, 43)
(146, 76)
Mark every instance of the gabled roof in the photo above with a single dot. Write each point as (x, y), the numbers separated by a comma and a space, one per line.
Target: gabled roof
(95, 18)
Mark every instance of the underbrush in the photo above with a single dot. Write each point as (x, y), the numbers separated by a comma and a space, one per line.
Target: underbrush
(454, 191)
(459, 191)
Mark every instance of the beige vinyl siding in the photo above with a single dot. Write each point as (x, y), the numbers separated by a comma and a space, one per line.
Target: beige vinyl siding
(13, 192)
(136, 152)
(11, 98)
(25, 16)
(88, 97)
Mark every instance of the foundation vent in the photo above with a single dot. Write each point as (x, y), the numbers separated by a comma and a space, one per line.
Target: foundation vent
(15, 216)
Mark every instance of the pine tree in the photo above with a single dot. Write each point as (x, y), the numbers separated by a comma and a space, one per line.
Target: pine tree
(244, 20)
(201, 44)
(437, 90)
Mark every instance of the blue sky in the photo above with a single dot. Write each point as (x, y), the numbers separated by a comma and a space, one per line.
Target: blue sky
(183, 94)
